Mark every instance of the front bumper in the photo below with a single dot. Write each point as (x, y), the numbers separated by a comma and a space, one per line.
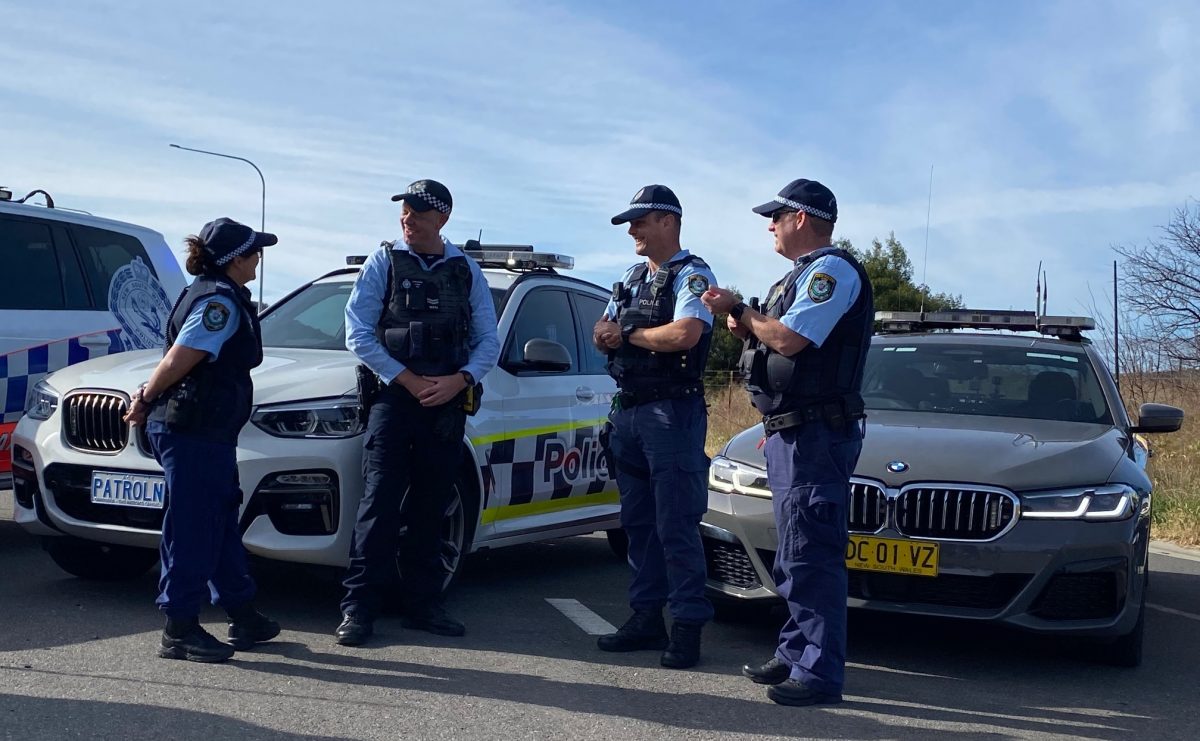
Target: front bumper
(297, 520)
(1085, 578)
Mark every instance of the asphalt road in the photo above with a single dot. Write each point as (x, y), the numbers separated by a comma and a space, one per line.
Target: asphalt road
(77, 661)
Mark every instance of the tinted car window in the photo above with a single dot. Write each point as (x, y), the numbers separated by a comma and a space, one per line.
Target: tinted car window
(315, 319)
(984, 379)
(543, 314)
(590, 310)
(28, 244)
(104, 253)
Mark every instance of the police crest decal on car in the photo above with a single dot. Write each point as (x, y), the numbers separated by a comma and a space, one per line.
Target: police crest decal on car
(215, 316)
(820, 288)
(697, 284)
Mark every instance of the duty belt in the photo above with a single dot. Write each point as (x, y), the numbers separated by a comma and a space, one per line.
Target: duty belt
(832, 413)
(627, 399)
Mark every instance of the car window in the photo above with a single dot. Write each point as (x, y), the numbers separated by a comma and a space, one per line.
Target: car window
(27, 246)
(590, 310)
(103, 253)
(983, 379)
(543, 314)
(314, 318)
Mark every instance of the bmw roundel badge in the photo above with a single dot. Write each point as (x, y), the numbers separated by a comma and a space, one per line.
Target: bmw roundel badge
(897, 466)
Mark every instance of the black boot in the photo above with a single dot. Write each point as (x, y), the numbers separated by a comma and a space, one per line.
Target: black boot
(434, 619)
(773, 671)
(248, 626)
(644, 630)
(355, 629)
(684, 649)
(185, 639)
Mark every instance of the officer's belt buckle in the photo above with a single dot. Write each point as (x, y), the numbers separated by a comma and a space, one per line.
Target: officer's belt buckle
(775, 423)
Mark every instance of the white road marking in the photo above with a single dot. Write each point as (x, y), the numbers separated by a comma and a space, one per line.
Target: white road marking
(1173, 611)
(588, 621)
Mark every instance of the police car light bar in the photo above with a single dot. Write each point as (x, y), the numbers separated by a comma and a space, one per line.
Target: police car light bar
(1014, 321)
(516, 257)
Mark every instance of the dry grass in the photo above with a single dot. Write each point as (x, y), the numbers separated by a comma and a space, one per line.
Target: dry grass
(1174, 465)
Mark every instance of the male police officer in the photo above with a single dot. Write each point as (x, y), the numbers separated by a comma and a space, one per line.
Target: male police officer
(804, 365)
(421, 318)
(657, 333)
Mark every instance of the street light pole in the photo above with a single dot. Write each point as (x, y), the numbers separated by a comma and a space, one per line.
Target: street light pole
(262, 273)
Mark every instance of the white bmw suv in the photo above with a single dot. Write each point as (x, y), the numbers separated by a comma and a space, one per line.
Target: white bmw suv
(533, 468)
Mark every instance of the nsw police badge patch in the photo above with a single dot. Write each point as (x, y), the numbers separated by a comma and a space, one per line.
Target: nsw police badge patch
(820, 288)
(697, 284)
(216, 315)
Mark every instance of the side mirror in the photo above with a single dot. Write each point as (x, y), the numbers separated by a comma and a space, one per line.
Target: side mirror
(545, 355)
(1158, 418)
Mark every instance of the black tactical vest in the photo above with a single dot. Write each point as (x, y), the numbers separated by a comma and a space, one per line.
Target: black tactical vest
(642, 305)
(214, 399)
(816, 375)
(426, 321)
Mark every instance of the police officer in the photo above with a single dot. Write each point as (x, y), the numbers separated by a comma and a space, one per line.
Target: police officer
(421, 318)
(803, 364)
(195, 403)
(657, 334)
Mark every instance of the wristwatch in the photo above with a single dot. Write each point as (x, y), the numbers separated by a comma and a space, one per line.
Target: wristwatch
(736, 310)
(468, 378)
(626, 331)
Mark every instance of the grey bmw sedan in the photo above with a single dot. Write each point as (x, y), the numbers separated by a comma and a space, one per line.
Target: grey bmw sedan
(1000, 479)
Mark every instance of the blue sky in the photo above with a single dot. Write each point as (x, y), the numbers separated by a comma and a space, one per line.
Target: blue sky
(1055, 129)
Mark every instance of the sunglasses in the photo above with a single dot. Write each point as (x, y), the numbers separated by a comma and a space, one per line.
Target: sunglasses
(776, 216)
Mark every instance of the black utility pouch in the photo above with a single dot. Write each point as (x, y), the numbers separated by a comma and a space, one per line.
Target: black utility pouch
(369, 388)
(183, 404)
(398, 342)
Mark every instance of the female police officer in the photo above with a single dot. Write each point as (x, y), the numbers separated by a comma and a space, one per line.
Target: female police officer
(194, 405)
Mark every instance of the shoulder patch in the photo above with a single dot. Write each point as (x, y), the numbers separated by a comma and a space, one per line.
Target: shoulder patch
(697, 284)
(216, 316)
(820, 287)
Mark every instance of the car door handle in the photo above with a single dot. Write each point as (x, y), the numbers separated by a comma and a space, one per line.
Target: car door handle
(583, 393)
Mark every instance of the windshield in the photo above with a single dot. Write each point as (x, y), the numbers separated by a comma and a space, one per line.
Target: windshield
(984, 379)
(315, 318)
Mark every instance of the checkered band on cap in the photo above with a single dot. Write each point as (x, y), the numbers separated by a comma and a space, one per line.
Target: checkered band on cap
(658, 207)
(806, 209)
(245, 246)
(431, 199)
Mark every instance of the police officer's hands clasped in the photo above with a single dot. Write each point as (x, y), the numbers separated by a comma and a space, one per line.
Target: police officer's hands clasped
(138, 409)
(719, 300)
(606, 334)
(441, 389)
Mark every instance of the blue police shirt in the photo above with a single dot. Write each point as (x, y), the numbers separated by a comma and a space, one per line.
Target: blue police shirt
(825, 291)
(207, 327)
(366, 306)
(687, 290)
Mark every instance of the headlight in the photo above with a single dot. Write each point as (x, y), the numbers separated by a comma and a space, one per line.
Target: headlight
(1108, 502)
(321, 418)
(41, 402)
(730, 476)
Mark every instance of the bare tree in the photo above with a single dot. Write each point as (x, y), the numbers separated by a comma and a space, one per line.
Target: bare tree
(1161, 283)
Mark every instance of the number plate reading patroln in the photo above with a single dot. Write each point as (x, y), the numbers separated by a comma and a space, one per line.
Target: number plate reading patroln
(128, 489)
(914, 557)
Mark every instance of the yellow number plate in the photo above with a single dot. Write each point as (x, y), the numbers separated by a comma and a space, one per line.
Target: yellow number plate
(914, 557)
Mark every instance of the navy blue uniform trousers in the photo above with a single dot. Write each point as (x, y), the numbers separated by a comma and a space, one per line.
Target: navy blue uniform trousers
(808, 470)
(201, 549)
(662, 474)
(411, 457)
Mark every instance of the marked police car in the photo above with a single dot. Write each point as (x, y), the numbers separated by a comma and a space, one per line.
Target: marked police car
(77, 287)
(1000, 480)
(532, 469)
